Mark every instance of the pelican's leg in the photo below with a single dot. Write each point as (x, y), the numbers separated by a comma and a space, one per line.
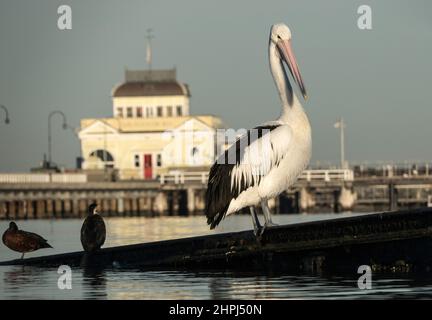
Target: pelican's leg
(267, 214)
(255, 221)
(22, 256)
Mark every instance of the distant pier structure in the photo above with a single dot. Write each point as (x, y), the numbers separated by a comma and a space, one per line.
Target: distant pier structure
(67, 195)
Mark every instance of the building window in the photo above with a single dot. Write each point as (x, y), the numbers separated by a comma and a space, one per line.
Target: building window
(129, 112)
(194, 151)
(149, 112)
(169, 111)
(139, 112)
(159, 111)
(103, 155)
(120, 112)
(195, 155)
(179, 111)
(159, 160)
(136, 161)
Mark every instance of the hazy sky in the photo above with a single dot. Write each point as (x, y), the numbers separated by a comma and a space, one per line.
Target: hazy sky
(379, 80)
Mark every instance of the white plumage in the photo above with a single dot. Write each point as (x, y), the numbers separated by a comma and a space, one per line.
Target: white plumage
(292, 153)
(271, 156)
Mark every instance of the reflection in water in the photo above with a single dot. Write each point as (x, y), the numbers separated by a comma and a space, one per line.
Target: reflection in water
(94, 283)
(19, 276)
(215, 286)
(33, 283)
(20, 282)
(41, 283)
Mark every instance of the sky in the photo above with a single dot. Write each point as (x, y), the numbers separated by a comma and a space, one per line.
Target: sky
(378, 80)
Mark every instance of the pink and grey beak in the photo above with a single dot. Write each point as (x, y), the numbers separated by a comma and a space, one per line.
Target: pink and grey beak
(288, 56)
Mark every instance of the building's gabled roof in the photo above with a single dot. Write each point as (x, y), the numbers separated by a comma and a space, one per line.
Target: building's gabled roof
(141, 83)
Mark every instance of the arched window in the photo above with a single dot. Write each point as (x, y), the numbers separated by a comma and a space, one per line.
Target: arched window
(103, 156)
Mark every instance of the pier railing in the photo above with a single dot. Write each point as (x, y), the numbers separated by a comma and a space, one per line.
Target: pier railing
(43, 178)
(184, 177)
(307, 175)
(327, 175)
(170, 178)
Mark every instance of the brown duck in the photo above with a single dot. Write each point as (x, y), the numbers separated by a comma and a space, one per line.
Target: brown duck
(93, 231)
(23, 241)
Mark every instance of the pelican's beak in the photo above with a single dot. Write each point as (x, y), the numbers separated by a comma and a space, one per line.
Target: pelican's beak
(288, 56)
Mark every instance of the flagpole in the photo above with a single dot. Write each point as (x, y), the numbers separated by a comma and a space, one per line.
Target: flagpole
(149, 48)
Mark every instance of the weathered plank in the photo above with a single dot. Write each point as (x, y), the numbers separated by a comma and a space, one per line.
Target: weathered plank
(389, 241)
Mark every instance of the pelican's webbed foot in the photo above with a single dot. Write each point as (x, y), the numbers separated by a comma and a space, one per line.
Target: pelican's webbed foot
(258, 232)
(266, 226)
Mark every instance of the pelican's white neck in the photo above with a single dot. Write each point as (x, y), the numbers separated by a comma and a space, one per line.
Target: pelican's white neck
(288, 97)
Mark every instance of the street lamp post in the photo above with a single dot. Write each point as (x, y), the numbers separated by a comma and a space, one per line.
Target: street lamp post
(340, 124)
(7, 120)
(65, 126)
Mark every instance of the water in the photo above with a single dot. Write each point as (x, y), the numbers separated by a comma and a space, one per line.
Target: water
(19, 282)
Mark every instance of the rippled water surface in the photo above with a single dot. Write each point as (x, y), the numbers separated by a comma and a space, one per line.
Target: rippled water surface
(36, 283)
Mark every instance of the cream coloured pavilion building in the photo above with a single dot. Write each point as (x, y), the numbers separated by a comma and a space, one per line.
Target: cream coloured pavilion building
(151, 131)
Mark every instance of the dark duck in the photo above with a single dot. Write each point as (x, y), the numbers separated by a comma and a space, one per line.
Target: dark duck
(23, 241)
(93, 231)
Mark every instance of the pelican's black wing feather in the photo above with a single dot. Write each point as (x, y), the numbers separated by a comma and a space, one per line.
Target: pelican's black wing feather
(219, 192)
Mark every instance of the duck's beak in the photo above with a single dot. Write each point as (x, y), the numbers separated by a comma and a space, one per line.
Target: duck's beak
(288, 56)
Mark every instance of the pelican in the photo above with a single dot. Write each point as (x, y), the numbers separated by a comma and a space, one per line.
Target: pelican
(268, 158)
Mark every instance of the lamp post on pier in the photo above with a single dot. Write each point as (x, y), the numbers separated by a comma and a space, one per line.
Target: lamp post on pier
(65, 126)
(7, 120)
(340, 124)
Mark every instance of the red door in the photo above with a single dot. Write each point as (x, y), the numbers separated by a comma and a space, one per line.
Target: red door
(148, 170)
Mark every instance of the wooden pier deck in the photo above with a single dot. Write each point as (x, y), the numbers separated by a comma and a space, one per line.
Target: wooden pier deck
(388, 242)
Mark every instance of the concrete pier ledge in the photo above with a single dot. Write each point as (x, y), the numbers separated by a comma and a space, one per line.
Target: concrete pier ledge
(387, 242)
